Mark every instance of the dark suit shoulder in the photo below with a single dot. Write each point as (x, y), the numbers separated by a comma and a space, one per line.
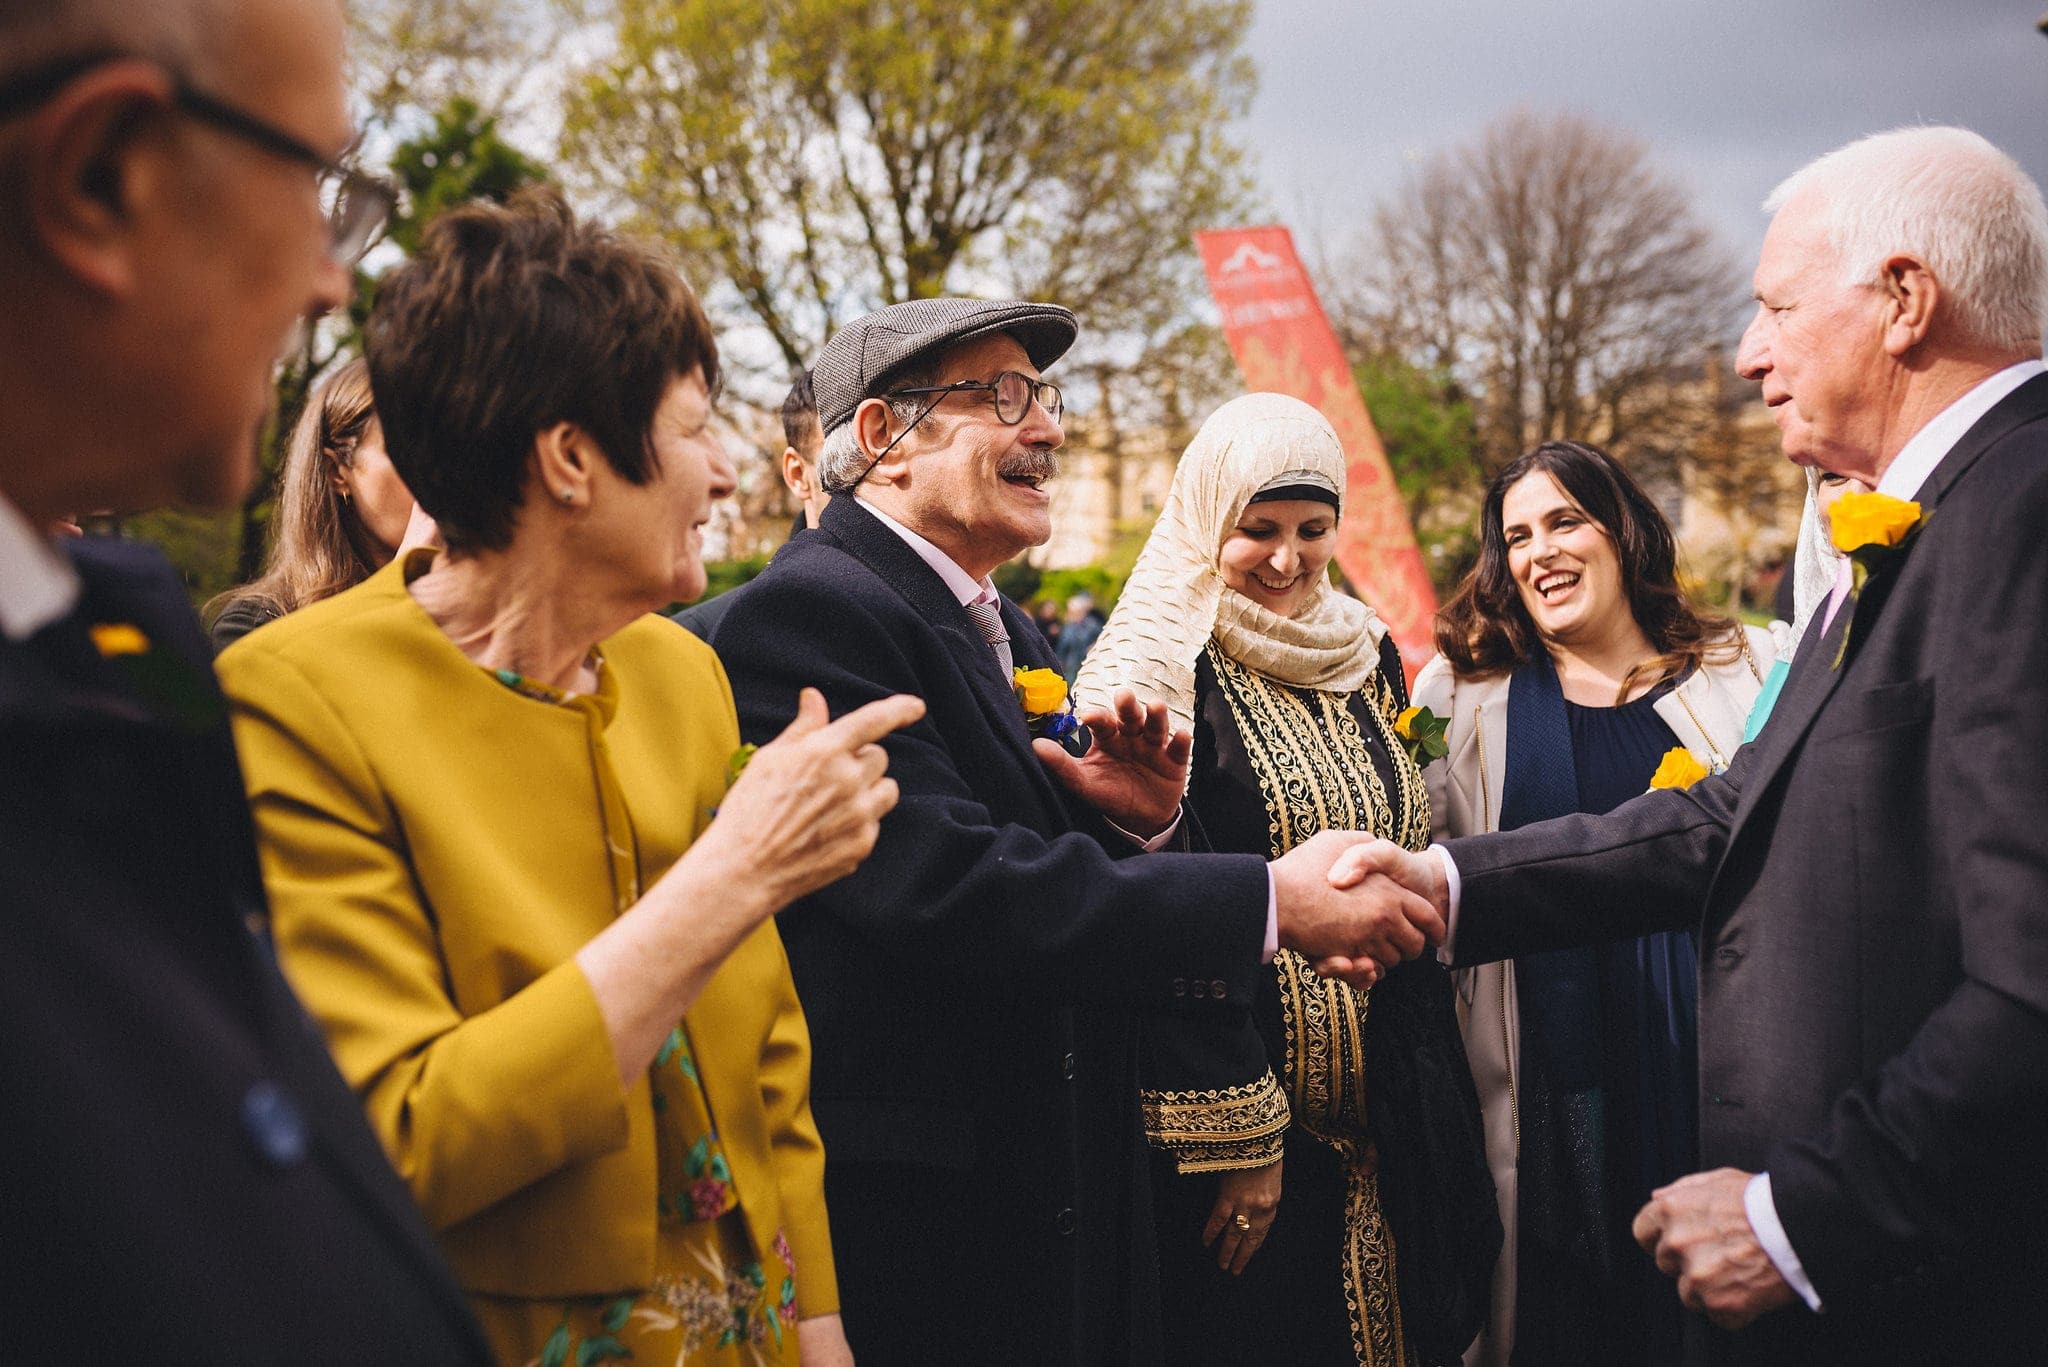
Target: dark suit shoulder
(701, 619)
(819, 591)
(130, 581)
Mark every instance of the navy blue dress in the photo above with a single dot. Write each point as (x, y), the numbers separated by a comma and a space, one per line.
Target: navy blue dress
(1649, 1001)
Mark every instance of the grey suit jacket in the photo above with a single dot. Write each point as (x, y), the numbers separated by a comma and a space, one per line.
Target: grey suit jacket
(1870, 884)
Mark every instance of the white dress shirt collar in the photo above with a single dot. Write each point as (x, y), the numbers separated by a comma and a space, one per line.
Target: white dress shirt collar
(37, 585)
(1916, 460)
(963, 586)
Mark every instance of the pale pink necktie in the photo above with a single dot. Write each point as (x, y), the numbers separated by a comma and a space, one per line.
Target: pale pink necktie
(989, 618)
(1843, 579)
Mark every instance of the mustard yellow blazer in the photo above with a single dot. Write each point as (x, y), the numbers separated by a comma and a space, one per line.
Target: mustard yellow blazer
(434, 848)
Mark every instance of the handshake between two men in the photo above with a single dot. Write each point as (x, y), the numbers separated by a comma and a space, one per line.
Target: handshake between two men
(1349, 919)
(1355, 905)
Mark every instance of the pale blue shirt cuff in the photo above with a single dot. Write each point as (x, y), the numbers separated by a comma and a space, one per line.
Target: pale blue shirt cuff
(1453, 888)
(1763, 1222)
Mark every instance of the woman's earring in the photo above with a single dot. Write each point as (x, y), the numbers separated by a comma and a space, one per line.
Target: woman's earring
(568, 495)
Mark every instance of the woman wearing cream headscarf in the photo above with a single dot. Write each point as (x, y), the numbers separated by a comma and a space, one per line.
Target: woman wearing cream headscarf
(1381, 1248)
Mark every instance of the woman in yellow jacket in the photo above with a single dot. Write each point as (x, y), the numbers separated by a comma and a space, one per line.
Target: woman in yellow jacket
(485, 785)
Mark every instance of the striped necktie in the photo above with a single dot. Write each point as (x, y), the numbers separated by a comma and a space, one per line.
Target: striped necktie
(989, 617)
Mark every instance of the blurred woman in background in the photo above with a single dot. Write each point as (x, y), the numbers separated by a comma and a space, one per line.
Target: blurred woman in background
(1815, 563)
(342, 511)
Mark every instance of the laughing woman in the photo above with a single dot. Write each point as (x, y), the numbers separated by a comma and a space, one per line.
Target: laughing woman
(1376, 1247)
(511, 872)
(1571, 665)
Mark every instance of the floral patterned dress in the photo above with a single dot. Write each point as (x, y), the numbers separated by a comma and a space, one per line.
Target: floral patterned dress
(717, 1299)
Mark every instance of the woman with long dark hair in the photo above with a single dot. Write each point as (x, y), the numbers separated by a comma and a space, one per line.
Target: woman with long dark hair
(1575, 672)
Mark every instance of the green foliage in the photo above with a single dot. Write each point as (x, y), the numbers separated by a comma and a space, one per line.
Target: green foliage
(1017, 580)
(1427, 426)
(202, 546)
(820, 157)
(1448, 554)
(459, 159)
(721, 576)
(1099, 582)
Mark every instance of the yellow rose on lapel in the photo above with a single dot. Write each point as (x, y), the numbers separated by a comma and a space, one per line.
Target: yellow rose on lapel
(1041, 690)
(1422, 733)
(119, 638)
(1678, 769)
(1860, 520)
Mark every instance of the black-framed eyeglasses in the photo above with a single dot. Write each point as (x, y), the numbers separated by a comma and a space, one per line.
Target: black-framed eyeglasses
(1015, 392)
(358, 204)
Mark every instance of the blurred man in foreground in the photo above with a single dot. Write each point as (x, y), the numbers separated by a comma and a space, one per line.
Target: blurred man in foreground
(186, 1179)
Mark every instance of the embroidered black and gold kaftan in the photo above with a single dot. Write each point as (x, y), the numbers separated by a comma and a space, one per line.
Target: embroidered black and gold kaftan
(1273, 765)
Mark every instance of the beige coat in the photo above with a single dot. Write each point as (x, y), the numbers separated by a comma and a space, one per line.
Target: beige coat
(1706, 713)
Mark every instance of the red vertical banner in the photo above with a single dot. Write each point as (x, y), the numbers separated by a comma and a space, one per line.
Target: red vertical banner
(1284, 344)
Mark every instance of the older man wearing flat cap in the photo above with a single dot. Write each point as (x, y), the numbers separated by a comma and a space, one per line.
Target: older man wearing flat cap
(974, 989)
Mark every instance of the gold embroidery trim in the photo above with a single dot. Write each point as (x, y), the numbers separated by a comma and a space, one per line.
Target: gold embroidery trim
(1316, 772)
(1234, 1127)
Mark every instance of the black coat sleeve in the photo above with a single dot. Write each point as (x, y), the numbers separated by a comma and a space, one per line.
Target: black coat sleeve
(1002, 904)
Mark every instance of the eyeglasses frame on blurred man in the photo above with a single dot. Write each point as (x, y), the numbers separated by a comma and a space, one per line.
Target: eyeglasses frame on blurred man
(359, 203)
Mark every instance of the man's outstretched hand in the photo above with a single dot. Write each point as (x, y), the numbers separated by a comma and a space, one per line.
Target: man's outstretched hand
(1351, 920)
(1136, 770)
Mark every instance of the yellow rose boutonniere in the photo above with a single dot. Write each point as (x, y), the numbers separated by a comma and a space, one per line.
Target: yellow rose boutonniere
(1422, 732)
(1042, 693)
(1872, 530)
(112, 639)
(1041, 690)
(1678, 769)
(1860, 520)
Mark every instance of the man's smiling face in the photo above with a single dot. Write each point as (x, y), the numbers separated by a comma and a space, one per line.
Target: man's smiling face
(973, 485)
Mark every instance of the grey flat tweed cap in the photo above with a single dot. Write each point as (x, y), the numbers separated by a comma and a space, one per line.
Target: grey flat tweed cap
(861, 356)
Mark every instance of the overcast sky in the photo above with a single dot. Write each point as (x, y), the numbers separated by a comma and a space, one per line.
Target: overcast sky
(1731, 95)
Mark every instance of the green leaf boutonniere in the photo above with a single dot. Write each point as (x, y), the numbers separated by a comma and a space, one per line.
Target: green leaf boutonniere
(1423, 733)
(737, 765)
(1873, 530)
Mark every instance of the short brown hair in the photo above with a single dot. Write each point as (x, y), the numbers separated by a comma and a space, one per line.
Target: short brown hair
(800, 428)
(511, 319)
(1485, 630)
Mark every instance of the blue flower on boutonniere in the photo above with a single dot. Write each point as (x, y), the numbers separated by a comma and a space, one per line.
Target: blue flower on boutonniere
(1048, 712)
(164, 679)
(1873, 530)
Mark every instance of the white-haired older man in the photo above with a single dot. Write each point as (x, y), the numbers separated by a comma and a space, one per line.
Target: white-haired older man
(1870, 877)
